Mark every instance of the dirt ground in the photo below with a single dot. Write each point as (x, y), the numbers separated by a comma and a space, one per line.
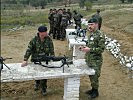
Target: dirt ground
(114, 81)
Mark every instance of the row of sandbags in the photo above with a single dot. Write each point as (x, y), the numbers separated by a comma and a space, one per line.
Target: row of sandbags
(113, 47)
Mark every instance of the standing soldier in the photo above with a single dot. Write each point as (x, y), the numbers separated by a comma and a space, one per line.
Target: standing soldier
(94, 50)
(59, 24)
(99, 18)
(70, 16)
(41, 43)
(55, 23)
(50, 17)
(64, 24)
(77, 18)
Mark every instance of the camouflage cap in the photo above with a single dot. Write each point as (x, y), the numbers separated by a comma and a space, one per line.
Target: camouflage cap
(42, 29)
(93, 20)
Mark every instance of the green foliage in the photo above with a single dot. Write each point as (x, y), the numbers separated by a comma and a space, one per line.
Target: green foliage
(82, 3)
(88, 5)
(28, 18)
(129, 1)
(122, 1)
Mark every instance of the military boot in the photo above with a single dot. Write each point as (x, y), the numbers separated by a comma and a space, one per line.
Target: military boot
(89, 91)
(37, 85)
(44, 92)
(94, 93)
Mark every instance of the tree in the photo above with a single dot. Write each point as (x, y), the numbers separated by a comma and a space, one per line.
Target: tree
(82, 3)
(88, 5)
(65, 3)
(130, 1)
(69, 2)
(42, 3)
(122, 1)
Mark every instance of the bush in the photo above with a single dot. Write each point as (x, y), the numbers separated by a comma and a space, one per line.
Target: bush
(28, 18)
(88, 5)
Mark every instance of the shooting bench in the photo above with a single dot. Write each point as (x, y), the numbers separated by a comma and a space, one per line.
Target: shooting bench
(68, 36)
(32, 71)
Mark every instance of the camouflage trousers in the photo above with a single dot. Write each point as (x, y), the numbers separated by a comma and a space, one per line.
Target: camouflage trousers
(99, 26)
(51, 29)
(42, 83)
(63, 32)
(78, 24)
(94, 79)
(56, 32)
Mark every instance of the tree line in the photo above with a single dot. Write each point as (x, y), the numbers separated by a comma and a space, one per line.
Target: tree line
(43, 3)
(129, 1)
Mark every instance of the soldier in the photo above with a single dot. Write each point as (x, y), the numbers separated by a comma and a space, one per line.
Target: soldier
(77, 18)
(41, 43)
(70, 16)
(94, 50)
(56, 24)
(99, 18)
(59, 23)
(50, 17)
(64, 24)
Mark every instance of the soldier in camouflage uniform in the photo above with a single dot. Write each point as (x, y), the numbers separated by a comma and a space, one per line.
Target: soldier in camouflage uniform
(94, 50)
(50, 17)
(70, 16)
(99, 18)
(77, 18)
(64, 24)
(56, 24)
(59, 23)
(41, 43)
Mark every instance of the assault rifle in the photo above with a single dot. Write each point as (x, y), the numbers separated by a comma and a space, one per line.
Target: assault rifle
(2, 63)
(84, 40)
(44, 58)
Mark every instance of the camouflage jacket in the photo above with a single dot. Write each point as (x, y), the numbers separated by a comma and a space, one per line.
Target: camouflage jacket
(64, 19)
(50, 17)
(77, 17)
(56, 20)
(96, 43)
(69, 15)
(36, 47)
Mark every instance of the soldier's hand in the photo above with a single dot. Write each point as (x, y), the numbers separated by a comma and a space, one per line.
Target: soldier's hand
(24, 63)
(85, 49)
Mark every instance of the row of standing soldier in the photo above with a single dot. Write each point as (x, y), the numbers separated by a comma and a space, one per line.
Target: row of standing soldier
(60, 19)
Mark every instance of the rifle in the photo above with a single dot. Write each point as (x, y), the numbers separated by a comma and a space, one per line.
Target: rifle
(84, 40)
(2, 63)
(44, 58)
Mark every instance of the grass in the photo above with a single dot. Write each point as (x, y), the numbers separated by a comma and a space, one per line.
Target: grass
(10, 19)
(13, 18)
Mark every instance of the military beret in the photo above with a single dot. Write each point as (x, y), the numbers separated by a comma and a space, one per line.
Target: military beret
(93, 20)
(98, 10)
(42, 29)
